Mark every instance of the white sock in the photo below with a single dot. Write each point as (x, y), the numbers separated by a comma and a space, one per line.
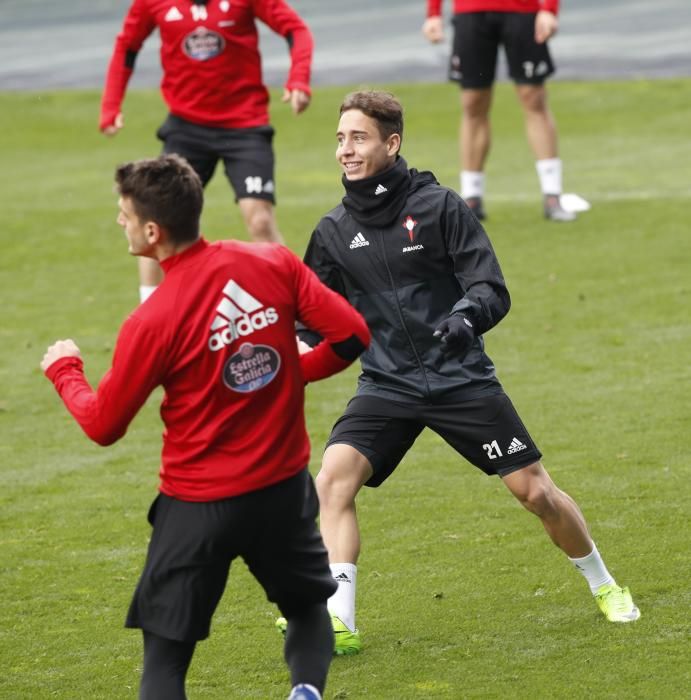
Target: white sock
(594, 570)
(472, 183)
(145, 291)
(342, 602)
(549, 172)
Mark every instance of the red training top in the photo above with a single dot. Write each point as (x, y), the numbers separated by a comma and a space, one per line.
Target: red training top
(219, 335)
(210, 57)
(434, 6)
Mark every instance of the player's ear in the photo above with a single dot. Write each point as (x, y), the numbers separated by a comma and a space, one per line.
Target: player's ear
(393, 144)
(153, 232)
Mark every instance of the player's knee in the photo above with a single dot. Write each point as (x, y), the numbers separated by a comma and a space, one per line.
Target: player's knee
(533, 98)
(341, 476)
(323, 484)
(476, 104)
(540, 497)
(476, 112)
(333, 489)
(261, 225)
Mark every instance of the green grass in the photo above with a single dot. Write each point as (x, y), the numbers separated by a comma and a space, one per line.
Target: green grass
(460, 593)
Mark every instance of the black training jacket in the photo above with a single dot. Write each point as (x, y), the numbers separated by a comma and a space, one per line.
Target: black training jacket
(405, 279)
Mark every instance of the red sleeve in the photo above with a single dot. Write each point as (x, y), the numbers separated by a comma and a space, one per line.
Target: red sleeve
(104, 414)
(550, 5)
(344, 330)
(434, 8)
(280, 17)
(136, 28)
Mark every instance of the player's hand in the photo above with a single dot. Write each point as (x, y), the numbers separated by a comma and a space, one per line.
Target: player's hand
(299, 100)
(433, 29)
(546, 25)
(58, 350)
(113, 128)
(457, 335)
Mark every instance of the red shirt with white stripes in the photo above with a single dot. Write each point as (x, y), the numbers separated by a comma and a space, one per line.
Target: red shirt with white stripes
(461, 6)
(219, 336)
(210, 58)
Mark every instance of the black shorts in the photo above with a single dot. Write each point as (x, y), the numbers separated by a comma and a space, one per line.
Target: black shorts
(193, 544)
(477, 38)
(488, 432)
(247, 154)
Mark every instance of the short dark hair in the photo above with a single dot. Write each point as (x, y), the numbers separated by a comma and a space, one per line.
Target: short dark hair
(165, 190)
(383, 107)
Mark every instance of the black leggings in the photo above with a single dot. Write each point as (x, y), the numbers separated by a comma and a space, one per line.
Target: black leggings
(308, 650)
(309, 645)
(165, 666)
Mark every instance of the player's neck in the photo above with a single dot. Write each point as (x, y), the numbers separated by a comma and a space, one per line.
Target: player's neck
(168, 249)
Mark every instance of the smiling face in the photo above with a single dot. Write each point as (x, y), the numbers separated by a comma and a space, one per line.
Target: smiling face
(361, 151)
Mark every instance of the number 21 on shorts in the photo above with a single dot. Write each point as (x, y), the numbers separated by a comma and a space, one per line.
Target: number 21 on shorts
(492, 449)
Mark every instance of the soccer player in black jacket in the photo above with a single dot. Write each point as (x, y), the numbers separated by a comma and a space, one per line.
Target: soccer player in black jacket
(412, 258)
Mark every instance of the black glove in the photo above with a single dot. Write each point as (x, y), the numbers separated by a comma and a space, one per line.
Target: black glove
(457, 335)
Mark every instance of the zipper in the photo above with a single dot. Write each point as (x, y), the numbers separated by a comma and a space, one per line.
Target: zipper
(400, 312)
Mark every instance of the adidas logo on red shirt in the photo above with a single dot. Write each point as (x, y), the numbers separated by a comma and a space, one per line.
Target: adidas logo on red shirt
(238, 315)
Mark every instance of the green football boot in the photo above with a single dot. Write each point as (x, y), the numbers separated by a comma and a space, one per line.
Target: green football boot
(282, 625)
(346, 642)
(616, 603)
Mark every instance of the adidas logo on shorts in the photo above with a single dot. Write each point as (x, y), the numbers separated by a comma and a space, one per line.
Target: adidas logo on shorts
(516, 446)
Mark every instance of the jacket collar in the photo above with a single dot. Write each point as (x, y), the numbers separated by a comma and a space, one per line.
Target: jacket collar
(379, 199)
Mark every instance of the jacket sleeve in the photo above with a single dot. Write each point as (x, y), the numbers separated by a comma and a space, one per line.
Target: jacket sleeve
(105, 414)
(344, 331)
(550, 5)
(136, 28)
(485, 297)
(280, 17)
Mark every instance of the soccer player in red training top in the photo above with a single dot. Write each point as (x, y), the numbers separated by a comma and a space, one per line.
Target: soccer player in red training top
(212, 84)
(219, 336)
(523, 28)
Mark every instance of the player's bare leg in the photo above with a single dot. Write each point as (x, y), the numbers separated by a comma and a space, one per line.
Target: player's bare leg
(540, 127)
(566, 526)
(475, 135)
(344, 471)
(560, 515)
(260, 220)
(474, 140)
(541, 131)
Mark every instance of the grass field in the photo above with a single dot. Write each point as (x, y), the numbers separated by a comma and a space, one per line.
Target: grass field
(461, 594)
